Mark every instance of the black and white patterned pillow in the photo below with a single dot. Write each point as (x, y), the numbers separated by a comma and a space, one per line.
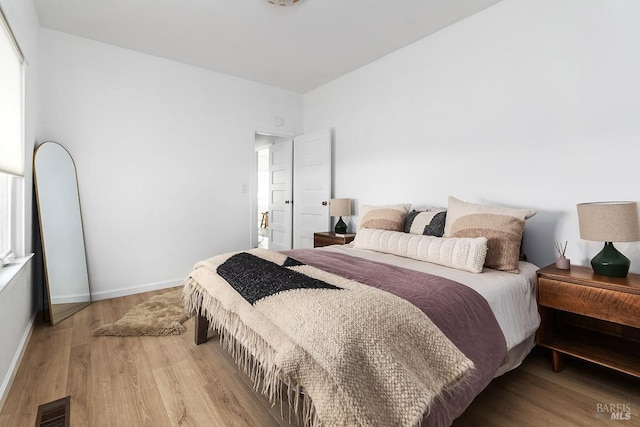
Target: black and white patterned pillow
(428, 223)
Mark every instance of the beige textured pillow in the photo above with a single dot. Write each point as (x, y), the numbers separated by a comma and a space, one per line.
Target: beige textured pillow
(389, 217)
(462, 254)
(502, 227)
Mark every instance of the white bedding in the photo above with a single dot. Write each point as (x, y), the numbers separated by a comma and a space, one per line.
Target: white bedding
(510, 296)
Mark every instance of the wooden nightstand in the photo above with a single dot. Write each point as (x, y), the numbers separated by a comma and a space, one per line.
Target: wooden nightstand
(329, 238)
(592, 317)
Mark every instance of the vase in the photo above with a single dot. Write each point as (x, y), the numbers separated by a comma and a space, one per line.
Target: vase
(563, 263)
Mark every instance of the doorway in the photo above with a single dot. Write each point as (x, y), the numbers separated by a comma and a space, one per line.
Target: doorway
(262, 155)
(261, 221)
(291, 189)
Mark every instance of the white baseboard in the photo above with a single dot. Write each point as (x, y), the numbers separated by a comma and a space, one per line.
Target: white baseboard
(15, 363)
(98, 296)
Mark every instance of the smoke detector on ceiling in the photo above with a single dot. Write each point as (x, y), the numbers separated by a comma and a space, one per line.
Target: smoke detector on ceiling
(283, 2)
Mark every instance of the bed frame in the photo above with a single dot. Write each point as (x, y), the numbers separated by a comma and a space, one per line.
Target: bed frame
(202, 328)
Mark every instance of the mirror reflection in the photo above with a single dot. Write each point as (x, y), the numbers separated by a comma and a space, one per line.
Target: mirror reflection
(65, 263)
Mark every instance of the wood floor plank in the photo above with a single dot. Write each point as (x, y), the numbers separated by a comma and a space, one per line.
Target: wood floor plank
(169, 381)
(241, 402)
(533, 395)
(104, 409)
(524, 406)
(226, 383)
(79, 387)
(167, 351)
(181, 392)
(42, 375)
(85, 322)
(181, 387)
(601, 384)
(133, 386)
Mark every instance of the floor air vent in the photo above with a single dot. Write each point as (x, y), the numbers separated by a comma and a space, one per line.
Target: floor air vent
(54, 414)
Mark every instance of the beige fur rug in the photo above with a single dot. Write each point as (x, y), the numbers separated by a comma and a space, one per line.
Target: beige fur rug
(161, 315)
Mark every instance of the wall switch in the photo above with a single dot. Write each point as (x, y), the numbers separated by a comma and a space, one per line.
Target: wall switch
(243, 188)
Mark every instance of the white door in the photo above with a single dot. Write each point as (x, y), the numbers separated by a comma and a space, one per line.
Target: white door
(280, 192)
(312, 186)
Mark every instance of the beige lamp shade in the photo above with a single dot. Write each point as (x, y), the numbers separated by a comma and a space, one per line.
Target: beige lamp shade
(609, 221)
(340, 207)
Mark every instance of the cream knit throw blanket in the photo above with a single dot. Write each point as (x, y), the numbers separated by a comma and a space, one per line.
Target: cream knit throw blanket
(349, 356)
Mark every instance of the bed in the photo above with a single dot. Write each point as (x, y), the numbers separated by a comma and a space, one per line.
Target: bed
(340, 332)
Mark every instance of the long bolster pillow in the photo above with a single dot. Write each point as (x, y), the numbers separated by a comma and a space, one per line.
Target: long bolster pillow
(462, 253)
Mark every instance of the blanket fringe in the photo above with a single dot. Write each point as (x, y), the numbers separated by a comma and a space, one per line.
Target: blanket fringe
(251, 353)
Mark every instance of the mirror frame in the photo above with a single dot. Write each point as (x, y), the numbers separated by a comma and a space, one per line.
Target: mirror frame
(65, 310)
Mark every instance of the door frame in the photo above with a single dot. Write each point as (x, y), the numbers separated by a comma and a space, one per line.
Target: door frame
(253, 180)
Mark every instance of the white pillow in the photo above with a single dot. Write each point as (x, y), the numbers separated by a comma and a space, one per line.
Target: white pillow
(466, 254)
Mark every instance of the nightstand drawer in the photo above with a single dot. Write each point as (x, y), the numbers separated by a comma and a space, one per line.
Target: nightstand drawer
(330, 238)
(590, 301)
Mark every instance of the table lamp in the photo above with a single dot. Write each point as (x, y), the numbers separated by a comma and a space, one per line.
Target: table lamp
(340, 207)
(609, 222)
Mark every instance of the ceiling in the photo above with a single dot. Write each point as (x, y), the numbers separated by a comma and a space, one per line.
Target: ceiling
(298, 47)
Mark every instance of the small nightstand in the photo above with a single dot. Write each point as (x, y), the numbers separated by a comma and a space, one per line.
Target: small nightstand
(330, 238)
(589, 316)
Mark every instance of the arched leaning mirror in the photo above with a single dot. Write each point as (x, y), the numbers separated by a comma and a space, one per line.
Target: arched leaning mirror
(65, 263)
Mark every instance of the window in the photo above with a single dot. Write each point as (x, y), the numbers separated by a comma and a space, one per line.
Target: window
(11, 141)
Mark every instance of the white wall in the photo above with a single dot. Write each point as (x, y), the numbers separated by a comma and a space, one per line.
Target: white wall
(162, 150)
(527, 104)
(17, 315)
(20, 299)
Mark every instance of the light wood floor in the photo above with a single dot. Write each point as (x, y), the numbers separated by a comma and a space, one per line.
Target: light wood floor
(169, 381)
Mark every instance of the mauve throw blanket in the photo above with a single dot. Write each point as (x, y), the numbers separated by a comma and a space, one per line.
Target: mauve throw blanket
(462, 314)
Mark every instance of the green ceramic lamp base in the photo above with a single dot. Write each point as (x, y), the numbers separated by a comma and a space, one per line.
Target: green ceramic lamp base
(341, 227)
(610, 262)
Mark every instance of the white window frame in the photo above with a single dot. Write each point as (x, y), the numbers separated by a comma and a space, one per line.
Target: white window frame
(16, 187)
(5, 198)
(16, 219)
(6, 193)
